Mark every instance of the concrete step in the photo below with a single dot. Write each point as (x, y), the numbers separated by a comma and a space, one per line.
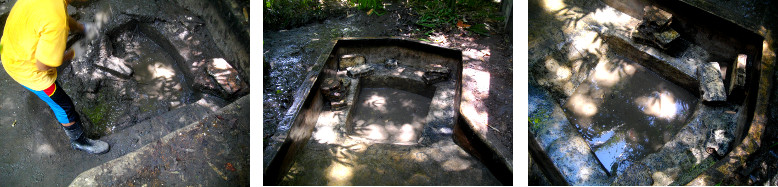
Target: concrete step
(212, 151)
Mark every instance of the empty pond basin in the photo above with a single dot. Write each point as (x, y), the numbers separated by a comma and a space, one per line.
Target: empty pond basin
(625, 111)
(388, 115)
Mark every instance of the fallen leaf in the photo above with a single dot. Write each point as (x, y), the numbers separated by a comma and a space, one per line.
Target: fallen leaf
(461, 24)
(370, 12)
(229, 167)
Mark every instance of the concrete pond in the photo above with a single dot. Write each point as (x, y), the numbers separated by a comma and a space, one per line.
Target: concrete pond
(643, 93)
(164, 83)
(381, 111)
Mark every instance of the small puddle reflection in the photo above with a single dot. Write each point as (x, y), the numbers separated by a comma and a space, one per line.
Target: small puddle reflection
(625, 111)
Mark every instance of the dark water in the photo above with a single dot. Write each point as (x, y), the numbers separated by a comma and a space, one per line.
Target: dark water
(389, 115)
(625, 111)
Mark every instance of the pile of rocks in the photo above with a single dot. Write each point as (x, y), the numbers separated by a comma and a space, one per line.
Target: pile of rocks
(334, 90)
(655, 28)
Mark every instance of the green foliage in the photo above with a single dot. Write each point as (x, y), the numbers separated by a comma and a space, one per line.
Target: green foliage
(443, 15)
(435, 14)
(367, 5)
(280, 14)
(480, 29)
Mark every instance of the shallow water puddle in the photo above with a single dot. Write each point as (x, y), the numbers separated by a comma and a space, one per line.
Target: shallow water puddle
(155, 72)
(625, 111)
(389, 115)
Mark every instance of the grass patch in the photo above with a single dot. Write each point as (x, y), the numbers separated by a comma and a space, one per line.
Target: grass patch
(689, 175)
(370, 6)
(285, 14)
(444, 15)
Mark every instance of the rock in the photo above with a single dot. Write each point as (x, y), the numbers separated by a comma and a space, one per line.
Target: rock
(329, 85)
(336, 96)
(657, 16)
(432, 78)
(338, 105)
(719, 140)
(334, 89)
(360, 70)
(345, 82)
(738, 74)
(711, 85)
(665, 37)
(435, 68)
(351, 60)
(390, 63)
(655, 28)
(435, 73)
(225, 75)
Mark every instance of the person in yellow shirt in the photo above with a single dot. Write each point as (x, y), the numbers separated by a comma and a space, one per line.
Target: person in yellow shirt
(33, 45)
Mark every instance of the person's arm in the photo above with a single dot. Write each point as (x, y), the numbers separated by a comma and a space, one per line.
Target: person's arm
(41, 66)
(74, 25)
(69, 54)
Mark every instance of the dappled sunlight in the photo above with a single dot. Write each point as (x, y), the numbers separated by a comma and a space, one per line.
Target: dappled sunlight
(553, 5)
(583, 106)
(161, 70)
(612, 17)
(325, 128)
(659, 104)
(608, 73)
(45, 149)
(376, 102)
(476, 56)
(456, 164)
(473, 101)
(390, 116)
(339, 174)
(441, 40)
(588, 41)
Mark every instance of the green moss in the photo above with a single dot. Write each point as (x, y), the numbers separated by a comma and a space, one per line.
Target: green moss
(538, 118)
(688, 175)
(98, 115)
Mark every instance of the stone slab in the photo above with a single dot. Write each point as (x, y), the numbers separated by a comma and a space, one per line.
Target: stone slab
(711, 84)
(569, 152)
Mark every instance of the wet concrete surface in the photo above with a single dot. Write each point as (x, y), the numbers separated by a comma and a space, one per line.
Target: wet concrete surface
(170, 43)
(625, 111)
